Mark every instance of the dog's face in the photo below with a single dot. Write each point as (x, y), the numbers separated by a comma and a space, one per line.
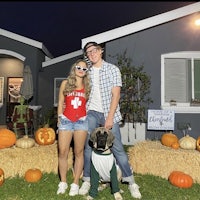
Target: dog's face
(101, 138)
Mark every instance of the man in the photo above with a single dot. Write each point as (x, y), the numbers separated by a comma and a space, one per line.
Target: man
(103, 110)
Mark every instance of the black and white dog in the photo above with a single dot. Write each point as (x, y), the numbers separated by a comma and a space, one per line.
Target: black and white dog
(103, 167)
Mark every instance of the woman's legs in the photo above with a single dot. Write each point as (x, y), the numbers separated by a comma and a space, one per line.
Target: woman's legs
(79, 142)
(64, 141)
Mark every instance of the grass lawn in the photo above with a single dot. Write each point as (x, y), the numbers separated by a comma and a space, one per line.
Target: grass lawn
(151, 187)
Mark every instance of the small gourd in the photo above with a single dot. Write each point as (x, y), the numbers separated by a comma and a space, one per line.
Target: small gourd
(187, 142)
(198, 143)
(180, 179)
(33, 175)
(25, 142)
(168, 139)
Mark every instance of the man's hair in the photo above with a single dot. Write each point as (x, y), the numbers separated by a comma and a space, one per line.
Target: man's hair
(90, 44)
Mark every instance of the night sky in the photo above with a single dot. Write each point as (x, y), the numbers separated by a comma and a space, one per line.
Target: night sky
(60, 25)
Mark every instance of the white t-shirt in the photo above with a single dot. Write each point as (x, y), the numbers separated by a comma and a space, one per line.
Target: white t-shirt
(96, 103)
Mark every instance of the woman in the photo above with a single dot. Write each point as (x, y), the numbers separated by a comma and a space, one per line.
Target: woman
(72, 123)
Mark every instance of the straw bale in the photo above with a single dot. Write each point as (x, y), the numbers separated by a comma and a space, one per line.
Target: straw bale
(151, 157)
(16, 161)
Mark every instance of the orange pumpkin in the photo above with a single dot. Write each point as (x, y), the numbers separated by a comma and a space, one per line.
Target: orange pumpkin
(2, 178)
(45, 136)
(198, 143)
(33, 175)
(168, 139)
(180, 179)
(175, 145)
(7, 138)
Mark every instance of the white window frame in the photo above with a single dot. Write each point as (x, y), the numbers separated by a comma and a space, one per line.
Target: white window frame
(177, 107)
(1, 91)
(57, 82)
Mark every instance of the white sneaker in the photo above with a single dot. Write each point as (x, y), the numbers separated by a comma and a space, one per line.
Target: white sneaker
(74, 189)
(84, 188)
(134, 190)
(62, 186)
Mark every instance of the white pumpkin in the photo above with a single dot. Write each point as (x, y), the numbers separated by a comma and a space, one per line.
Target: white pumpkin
(187, 142)
(25, 142)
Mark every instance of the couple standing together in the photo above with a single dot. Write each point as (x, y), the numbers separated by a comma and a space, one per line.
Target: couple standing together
(89, 98)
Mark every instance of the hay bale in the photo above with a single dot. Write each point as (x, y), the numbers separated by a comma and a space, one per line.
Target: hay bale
(151, 157)
(16, 161)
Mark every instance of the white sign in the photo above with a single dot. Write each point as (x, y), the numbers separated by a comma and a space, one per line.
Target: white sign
(160, 120)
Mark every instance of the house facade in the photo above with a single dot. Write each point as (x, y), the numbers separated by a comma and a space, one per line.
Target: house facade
(15, 52)
(151, 42)
(147, 48)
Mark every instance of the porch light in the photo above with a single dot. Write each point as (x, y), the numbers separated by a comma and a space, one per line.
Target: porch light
(197, 22)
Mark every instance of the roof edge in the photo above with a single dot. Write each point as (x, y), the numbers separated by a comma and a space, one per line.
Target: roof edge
(62, 58)
(25, 40)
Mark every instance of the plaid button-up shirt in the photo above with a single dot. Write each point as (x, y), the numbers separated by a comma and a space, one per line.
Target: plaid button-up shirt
(110, 76)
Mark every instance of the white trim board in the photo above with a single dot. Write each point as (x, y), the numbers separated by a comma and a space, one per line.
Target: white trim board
(25, 40)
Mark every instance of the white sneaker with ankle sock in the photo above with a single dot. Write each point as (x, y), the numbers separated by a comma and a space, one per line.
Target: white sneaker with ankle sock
(62, 186)
(74, 189)
(134, 190)
(84, 188)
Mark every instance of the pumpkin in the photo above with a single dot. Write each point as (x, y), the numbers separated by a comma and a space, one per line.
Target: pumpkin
(25, 142)
(45, 136)
(198, 143)
(180, 179)
(168, 139)
(33, 175)
(187, 142)
(7, 138)
(175, 145)
(2, 178)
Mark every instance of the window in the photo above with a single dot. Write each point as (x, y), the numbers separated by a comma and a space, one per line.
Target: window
(14, 85)
(180, 82)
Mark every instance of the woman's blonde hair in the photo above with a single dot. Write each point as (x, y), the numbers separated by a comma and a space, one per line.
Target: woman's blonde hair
(71, 80)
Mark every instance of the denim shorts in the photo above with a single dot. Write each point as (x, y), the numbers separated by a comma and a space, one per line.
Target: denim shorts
(68, 125)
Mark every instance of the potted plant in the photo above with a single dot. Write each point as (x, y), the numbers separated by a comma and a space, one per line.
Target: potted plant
(135, 100)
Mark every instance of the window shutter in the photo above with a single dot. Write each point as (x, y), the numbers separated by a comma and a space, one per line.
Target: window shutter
(176, 80)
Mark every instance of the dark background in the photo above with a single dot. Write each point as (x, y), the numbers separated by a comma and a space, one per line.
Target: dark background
(60, 26)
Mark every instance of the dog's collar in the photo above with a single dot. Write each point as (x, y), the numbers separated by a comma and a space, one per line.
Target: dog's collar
(102, 151)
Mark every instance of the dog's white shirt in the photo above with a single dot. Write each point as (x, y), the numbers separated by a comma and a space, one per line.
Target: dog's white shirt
(103, 164)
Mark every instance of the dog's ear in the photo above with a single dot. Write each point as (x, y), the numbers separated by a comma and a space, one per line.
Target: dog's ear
(110, 139)
(93, 137)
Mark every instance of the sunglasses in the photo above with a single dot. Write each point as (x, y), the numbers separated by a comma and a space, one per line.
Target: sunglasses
(81, 68)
